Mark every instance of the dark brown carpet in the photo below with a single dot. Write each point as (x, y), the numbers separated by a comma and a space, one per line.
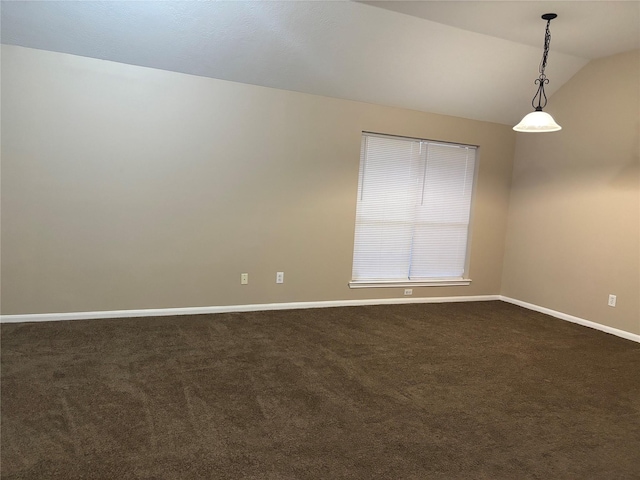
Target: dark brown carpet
(438, 391)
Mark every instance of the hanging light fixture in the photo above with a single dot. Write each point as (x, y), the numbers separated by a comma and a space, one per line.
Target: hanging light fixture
(539, 121)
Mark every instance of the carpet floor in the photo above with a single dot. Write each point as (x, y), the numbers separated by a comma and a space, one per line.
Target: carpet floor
(483, 390)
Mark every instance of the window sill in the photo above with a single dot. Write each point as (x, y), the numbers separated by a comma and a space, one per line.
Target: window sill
(451, 282)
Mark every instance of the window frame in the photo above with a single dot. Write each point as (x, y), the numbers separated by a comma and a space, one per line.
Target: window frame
(464, 280)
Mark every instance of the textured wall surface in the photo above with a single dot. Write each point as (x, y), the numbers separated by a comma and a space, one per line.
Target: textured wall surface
(574, 217)
(126, 187)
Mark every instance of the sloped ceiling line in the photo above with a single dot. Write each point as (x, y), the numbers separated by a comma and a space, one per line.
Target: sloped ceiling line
(345, 49)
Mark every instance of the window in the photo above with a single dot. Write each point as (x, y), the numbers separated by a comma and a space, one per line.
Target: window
(412, 217)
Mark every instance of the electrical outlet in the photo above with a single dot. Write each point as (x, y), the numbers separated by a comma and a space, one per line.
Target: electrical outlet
(279, 277)
(612, 301)
(244, 278)
(408, 291)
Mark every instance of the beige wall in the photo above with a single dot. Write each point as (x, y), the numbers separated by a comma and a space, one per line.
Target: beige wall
(574, 210)
(126, 187)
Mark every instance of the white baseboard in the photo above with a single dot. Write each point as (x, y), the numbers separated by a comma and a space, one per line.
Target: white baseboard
(158, 312)
(570, 318)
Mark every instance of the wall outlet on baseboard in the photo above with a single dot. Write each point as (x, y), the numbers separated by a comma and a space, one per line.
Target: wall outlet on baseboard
(279, 277)
(408, 291)
(612, 301)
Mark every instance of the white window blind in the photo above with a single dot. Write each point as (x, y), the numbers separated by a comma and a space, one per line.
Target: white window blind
(412, 218)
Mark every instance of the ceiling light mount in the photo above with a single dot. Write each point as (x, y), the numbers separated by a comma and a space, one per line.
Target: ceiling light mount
(538, 121)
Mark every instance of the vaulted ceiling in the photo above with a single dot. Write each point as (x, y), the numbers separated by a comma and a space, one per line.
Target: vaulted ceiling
(469, 59)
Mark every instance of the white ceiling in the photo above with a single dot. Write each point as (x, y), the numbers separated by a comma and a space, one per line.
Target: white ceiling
(587, 29)
(469, 59)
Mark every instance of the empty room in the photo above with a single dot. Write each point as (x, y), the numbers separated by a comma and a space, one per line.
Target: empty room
(320, 240)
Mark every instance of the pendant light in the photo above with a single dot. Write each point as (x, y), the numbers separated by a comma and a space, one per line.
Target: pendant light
(539, 121)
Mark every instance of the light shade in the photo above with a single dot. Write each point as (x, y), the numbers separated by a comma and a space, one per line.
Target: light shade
(537, 121)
